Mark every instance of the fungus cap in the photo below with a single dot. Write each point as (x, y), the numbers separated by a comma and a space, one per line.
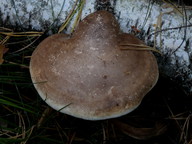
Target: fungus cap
(87, 75)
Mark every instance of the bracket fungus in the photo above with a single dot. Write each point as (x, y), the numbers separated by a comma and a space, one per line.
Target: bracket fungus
(87, 75)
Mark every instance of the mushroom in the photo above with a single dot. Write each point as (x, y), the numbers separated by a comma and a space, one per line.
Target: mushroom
(87, 75)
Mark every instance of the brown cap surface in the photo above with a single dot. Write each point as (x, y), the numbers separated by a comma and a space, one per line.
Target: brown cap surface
(87, 75)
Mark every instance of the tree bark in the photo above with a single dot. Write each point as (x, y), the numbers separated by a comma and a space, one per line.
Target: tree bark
(162, 25)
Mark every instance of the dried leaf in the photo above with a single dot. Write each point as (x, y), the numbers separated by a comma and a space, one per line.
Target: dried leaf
(3, 50)
(140, 133)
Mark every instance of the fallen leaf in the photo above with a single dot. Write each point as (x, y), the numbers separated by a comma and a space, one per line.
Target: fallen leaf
(3, 50)
(140, 133)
